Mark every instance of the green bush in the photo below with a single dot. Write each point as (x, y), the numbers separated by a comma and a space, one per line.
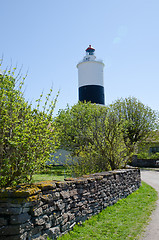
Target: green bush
(28, 136)
(94, 137)
(140, 121)
(102, 138)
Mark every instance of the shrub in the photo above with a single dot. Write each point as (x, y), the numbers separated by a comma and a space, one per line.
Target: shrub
(140, 120)
(28, 136)
(94, 137)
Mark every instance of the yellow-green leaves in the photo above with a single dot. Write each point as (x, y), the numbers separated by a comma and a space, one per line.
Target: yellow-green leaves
(140, 120)
(94, 136)
(26, 136)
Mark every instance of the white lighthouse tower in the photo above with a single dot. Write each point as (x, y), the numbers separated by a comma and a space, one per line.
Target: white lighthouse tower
(90, 78)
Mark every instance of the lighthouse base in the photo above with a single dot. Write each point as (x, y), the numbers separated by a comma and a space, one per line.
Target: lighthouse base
(92, 93)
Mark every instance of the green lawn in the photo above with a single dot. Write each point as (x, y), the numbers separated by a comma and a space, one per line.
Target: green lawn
(50, 173)
(124, 220)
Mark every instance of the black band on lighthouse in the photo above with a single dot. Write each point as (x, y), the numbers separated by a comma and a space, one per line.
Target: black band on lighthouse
(92, 93)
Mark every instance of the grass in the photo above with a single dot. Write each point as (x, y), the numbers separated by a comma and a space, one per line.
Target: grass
(124, 220)
(50, 173)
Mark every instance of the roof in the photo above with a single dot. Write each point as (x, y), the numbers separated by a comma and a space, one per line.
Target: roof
(90, 48)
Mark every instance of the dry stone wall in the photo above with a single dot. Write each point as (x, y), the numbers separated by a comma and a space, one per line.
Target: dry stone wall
(53, 208)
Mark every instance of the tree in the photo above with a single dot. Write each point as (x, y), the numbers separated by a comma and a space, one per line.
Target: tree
(140, 120)
(27, 134)
(93, 135)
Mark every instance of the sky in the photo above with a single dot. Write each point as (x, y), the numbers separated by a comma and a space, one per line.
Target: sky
(48, 38)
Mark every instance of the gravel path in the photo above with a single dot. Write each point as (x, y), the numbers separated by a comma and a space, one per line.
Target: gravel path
(152, 230)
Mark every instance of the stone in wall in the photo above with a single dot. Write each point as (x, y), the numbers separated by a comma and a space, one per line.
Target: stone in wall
(53, 208)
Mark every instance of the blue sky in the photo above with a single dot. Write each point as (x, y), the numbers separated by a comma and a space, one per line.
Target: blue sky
(48, 38)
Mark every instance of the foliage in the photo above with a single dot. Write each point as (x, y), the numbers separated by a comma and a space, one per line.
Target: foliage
(102, 138)
(149, 148)
(93, 135)
(27, 135)
(146, 155)
(140, 120)
(124, 220)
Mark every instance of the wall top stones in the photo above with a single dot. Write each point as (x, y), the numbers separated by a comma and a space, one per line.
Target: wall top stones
(27, 190)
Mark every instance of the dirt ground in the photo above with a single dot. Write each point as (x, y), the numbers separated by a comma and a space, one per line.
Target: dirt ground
(152, 230)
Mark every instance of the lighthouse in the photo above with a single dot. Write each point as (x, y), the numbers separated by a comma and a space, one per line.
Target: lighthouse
(90, 78)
